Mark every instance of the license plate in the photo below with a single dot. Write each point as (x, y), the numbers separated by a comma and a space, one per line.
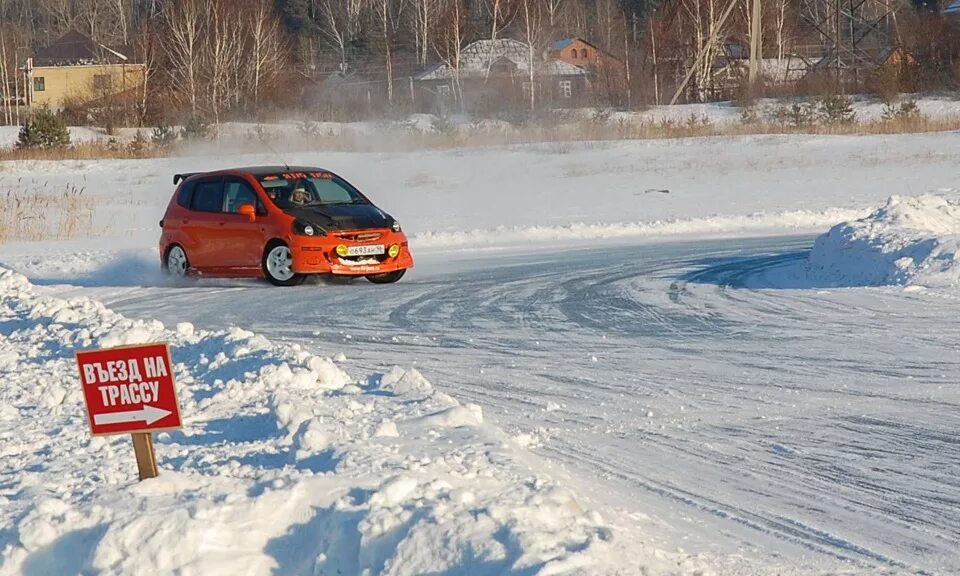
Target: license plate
(368, 250)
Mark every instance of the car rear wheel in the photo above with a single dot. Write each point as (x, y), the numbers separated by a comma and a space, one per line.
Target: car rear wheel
(278, 266)
(386, 277)
(177, 263)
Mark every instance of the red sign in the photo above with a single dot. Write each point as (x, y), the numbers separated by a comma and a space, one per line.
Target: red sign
(129, 389)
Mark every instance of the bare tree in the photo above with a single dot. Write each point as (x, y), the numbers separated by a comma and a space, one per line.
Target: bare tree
(708, 21)
(607, 18)
(60, 14)
(341, 24)
(146, 48)
(184, 23)
(120, 9)
(4, 80)
(532, 13)
(386, 13)
(553, 11)
(266, 57)
(223, 57)
(453, 38)
(425, 16)
(501, 14)
(783, 16)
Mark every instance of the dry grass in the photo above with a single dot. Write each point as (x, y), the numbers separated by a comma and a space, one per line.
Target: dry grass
(38, 214)
(557, 134)
(81, 151)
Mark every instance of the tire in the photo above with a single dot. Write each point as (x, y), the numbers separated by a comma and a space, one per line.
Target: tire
(276, 262)
(176, 264)
(387, 277)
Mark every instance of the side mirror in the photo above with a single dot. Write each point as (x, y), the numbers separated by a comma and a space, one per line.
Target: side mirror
(247, 210)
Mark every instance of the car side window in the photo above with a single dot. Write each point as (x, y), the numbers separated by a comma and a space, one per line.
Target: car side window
(238, 192)
(208, 196)
(185, 194)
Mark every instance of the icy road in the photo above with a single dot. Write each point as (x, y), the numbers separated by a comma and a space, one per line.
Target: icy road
(691, 386)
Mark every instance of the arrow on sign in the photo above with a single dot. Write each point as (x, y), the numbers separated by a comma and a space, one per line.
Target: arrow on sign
(149, 414)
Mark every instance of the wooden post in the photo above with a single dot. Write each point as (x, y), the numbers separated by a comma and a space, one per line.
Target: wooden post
(146, 460)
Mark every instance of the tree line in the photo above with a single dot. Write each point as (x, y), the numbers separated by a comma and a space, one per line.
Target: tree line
(251, 58)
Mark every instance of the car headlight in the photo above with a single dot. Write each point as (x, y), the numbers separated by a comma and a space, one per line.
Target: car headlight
(304, 228)
(395, 226)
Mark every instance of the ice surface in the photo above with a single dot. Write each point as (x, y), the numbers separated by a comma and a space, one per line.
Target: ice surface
(275, 471)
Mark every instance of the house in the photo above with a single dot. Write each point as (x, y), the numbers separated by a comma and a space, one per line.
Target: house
(78, 69)
(775, 72)
(608, 77)
(579, 52)
(491, 73)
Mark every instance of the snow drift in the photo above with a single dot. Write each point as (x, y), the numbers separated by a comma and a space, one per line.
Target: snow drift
(909, 241)
(286, 465)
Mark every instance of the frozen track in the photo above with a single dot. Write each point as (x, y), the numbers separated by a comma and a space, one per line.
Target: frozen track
(670, 381)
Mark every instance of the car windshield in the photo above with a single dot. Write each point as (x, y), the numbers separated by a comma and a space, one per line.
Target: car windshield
(293, 190)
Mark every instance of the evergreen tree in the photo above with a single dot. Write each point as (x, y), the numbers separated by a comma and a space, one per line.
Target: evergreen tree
(296, 16)
(44, 129)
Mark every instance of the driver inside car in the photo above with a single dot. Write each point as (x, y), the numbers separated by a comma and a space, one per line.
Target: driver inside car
(300, 195)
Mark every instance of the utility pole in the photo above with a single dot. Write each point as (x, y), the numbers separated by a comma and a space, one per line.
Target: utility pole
(756, 46)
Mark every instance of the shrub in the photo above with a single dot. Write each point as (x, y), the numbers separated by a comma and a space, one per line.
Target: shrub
(44, 129)
(907, 110)
(601, 116)
(748, 115)
(309, 130)
(138, 145)
(195, 129)
(442, 125)
(698, 121)
(163, 136)
(796, 115)
(836, 109)
(261, 133)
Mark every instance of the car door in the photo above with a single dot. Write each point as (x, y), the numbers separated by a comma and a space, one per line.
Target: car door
(242, 240)
(203, 223)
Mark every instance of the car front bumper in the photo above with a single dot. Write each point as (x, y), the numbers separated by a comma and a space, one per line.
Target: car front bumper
(318, 254)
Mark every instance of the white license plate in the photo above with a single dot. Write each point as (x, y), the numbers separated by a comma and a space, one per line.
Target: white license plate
(368, 250)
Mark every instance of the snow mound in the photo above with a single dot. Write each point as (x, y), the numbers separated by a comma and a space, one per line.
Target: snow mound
(284, 466)
(400, 382)
(755, 223)
(455, 417)
(909, 241)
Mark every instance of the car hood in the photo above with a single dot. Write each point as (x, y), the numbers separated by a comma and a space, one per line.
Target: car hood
(343, 216)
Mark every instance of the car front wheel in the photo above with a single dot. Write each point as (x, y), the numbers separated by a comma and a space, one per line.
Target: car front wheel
(386, 277)
(278, 266)
(177, 263)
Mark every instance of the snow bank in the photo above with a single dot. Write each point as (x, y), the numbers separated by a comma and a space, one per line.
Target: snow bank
(909, 241)
(286, 465)
(755, 223)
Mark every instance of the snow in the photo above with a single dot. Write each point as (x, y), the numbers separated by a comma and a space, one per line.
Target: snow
(612, 357)
(543, 193)
(368, 134)
(908, 241)
(275, 470)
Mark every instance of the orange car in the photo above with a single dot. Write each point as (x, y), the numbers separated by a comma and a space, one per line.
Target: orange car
(279, 223)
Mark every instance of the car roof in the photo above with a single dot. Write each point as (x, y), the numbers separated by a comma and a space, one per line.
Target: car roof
(255, 171)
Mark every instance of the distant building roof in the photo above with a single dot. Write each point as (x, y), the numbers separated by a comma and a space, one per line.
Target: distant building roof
(790, 68)
(561, 44)
(74, 48)
(478, 59)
